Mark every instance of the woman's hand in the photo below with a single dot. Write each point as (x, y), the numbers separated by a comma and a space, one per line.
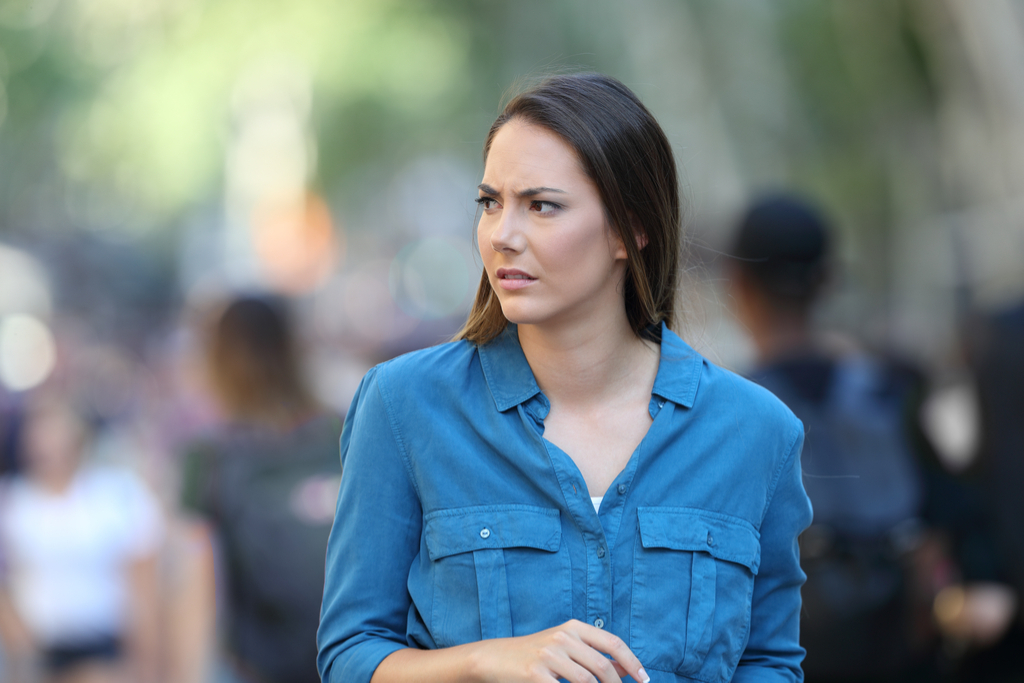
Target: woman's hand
(573, 651)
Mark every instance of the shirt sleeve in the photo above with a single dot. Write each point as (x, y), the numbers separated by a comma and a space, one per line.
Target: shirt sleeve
(373, 543)
(773, 651)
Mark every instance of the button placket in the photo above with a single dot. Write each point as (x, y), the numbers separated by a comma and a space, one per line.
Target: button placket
(599, 589)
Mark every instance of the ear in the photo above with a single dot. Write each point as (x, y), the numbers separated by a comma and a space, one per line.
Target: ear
(638, 231)
(638, 234)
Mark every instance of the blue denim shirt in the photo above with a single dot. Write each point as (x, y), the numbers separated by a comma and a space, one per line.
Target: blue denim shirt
(458, 521)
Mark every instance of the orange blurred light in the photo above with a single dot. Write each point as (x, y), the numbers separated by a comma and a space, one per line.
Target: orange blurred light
(297, 243)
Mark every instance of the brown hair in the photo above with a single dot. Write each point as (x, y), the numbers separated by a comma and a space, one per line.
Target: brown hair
(623, 150)
(253, 364)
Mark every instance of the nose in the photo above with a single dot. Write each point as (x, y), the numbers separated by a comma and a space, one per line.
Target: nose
(506, 233)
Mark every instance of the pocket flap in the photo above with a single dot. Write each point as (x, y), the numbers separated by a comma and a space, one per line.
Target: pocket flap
(462, 530)
(724, 538)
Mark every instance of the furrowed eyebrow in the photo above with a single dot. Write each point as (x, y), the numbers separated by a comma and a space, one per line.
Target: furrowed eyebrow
(534, 191)
(528, 192)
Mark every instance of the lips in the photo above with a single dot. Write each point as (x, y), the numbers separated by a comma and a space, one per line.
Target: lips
(513, 274)
(512, 278)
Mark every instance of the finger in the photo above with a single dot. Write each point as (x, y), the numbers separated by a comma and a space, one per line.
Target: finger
(604, 669)
(567, 652)
(569, 670)
(612, 645)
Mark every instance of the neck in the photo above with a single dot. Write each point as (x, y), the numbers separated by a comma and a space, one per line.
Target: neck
(588, 363)
(775, 330)
(56, 482)
(781, 336)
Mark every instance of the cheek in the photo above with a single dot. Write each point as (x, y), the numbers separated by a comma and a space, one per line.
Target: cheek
(483, 242)
(568, 251)
(579, 250)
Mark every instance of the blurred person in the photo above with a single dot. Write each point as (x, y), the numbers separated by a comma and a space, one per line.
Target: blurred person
(567, 490)
(266, 483)
(996, 550)
(873, 563)
(79, 545)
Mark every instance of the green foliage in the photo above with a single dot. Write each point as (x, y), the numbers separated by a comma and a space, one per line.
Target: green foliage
(128, 104)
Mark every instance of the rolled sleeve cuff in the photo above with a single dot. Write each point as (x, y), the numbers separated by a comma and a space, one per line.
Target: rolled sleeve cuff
(359, 662)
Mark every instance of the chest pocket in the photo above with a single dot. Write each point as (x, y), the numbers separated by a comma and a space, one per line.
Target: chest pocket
(693, 577)
(498, 571)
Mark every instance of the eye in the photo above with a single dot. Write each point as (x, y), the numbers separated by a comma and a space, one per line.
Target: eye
(544, 207)
(487, 203)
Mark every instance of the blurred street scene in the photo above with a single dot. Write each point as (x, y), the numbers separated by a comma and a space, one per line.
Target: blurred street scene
(163, 160)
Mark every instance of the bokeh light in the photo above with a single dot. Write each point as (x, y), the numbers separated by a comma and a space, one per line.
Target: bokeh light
(27, 352)
(23, 284)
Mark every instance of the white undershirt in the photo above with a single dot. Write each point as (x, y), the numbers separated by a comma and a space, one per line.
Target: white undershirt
(596, 500)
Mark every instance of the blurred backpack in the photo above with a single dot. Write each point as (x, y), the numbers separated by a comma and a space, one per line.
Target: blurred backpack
(859, 613)
(271, 498)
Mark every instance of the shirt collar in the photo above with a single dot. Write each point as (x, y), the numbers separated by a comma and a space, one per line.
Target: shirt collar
(508, 374)
(511, 380)
(679, 370)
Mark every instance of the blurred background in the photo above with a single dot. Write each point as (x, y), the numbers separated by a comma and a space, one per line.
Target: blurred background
(158, 156)
(157, 152)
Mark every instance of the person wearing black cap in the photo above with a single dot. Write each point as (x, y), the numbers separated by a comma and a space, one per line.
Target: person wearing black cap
(859, 616)
(780, 263)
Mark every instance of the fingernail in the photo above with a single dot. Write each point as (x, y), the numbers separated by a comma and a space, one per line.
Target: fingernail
(644, 678)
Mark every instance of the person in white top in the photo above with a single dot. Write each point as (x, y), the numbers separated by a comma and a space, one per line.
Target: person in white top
(78, 548)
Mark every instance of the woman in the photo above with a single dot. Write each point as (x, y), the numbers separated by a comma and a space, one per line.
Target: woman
(79, 544)
(568, 491)
(266, 482)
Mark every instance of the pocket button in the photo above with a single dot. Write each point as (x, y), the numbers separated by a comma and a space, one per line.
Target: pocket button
(711, 540)
(486, 533)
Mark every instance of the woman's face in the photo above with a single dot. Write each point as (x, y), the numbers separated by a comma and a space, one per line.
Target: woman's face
(550, 254)
(53, 442)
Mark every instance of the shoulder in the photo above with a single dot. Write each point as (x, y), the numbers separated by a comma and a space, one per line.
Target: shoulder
(749, 402)
(416, 384)
(201, 454)
(430, 364)
(724, 395)
(749, 394)
(426, 372)
(1012, 316)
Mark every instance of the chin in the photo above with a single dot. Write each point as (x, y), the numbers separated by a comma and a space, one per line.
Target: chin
(521, 315)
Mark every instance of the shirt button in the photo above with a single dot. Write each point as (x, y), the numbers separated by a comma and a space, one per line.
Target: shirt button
(621, 489)
(599, 622)
(711, 540)
(486, 533)
(600, 551)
